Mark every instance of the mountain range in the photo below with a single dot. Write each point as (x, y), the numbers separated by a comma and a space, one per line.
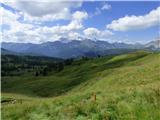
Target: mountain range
(75, 48)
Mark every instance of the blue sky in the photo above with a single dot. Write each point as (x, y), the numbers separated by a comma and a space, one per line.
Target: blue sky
(111, 21)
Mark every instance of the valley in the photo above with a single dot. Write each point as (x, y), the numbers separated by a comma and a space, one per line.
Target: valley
(116, 87)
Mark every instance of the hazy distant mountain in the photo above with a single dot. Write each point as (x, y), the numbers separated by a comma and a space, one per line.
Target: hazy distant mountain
(153, 44)
(66, 49)
(7, 52)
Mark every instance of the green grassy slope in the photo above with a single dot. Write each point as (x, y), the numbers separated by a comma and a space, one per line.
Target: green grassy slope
(126, 88)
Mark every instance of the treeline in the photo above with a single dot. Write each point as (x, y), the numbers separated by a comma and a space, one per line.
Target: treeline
(43, 71)
(12, 65)
(54, 66)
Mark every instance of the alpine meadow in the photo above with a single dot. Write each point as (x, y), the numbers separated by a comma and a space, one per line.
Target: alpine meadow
(80, 60)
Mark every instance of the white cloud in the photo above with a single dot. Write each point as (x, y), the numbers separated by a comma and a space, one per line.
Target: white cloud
(91, 32)
(34, 10)
(106, 6)
(16, 29)
(95, 33)
(136, 22)
(75, 24)
(73, 36)
(22, 32)
(79, 15)
(63, 15)
(7, 16)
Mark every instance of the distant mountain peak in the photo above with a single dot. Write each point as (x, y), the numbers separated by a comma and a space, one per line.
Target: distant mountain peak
(154, 44)
(66, 48)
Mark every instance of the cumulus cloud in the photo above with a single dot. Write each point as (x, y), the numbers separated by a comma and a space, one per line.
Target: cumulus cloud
(35, 10)
(79, 15)
(24, 32)
(68, 31)
(65, 14)
(91, 32)
(95, 33)
(8, 17)
(136, 22)
(74, 36)
(17, 31)
(75, 24)
(14, 31)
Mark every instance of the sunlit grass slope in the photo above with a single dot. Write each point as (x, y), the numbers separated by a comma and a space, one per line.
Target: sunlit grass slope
(124, 87)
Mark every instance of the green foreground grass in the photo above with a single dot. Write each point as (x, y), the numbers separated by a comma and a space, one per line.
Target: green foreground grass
(127, 87)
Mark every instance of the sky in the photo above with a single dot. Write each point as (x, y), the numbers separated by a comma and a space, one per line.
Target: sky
(113, 21)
